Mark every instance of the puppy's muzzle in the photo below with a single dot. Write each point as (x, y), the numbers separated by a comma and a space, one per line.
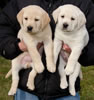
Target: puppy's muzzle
(65, 26)
(29, 28)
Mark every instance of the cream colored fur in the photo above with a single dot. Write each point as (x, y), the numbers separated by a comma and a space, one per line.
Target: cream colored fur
(76, 36)
(38, 19)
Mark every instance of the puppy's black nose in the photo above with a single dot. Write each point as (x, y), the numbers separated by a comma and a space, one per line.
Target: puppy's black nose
(29, 28)
(65, 25)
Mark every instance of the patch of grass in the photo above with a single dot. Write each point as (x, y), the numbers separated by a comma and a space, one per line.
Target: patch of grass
(87, 84)
(4, 83)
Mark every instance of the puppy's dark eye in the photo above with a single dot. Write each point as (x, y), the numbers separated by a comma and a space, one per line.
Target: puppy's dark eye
(72, 18)
(36, 19)
(26, 18)
(62, 16)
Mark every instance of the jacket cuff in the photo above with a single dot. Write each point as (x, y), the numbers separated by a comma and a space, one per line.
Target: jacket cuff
(17, 47)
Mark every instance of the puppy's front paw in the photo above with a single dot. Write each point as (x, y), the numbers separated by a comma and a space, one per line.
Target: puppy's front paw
(51, 68)
(39, 67)
(12, 92)
(63, 84)
(30, 85)
(68, 71)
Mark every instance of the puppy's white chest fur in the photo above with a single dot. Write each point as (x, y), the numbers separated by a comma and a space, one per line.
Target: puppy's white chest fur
(36, 38)
(74, 38)
(71, 30)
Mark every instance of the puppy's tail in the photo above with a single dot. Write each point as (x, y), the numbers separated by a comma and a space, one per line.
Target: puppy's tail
(81, 75)
(9, 74)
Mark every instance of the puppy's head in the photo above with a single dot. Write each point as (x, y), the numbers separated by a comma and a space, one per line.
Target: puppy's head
(69, 18)
(33, 19)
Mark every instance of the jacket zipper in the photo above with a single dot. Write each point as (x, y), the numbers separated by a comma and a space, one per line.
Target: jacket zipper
(46, 81)
(50, 6)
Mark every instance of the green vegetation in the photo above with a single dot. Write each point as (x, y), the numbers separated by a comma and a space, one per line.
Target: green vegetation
(87, 84)
(4, 83)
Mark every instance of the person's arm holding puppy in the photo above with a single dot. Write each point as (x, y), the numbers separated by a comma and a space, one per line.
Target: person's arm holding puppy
(8, 35)
(87, 56)
(10, 45)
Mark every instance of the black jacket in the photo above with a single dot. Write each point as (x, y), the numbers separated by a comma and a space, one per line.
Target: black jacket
(47, 84)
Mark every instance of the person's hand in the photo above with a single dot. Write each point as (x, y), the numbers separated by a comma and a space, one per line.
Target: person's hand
(22, 46)
(66, 48)
(39, 45)
(65, 51)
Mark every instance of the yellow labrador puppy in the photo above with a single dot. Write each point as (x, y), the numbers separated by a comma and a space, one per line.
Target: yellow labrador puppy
(35, 28)
(71, 30)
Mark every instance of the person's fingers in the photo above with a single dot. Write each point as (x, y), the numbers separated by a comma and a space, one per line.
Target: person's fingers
(65, 52)
(22, 46)
(39, 45)
(66, 48)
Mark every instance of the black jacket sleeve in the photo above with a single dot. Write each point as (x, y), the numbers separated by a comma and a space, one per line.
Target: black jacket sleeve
(8, 31)
(87, 56)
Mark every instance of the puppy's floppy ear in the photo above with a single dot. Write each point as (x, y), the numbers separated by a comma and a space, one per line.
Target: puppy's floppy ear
(45, 20)
(20, 17)
(56, 13)
(81, 19)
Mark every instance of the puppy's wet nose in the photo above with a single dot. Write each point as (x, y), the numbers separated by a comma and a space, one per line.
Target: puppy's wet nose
(29, 28)
(65, 25)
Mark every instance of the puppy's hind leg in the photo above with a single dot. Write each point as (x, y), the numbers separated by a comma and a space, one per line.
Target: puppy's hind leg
(72, 79)
(30, 83)
(16, 67)
(15, 78)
